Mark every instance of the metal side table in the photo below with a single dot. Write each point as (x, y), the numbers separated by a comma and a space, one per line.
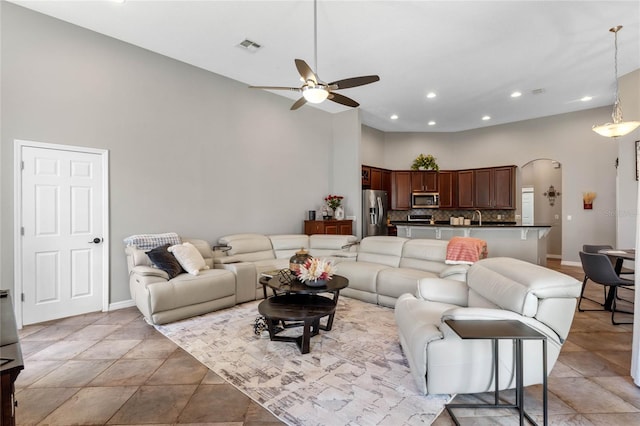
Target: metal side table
(496, 330)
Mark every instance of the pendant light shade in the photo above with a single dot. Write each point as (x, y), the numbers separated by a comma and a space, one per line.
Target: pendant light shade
(619, 127)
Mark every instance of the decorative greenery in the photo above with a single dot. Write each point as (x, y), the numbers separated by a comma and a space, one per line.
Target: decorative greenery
(427, 162)
(333, 201)
(316, 269)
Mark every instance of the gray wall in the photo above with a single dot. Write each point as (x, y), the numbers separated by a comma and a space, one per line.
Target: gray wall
(191, 151)
(588, 164)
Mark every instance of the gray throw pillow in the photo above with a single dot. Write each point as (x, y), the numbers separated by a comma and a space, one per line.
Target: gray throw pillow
(163, 259)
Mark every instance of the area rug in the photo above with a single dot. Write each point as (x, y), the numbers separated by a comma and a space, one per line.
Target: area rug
(355, 374)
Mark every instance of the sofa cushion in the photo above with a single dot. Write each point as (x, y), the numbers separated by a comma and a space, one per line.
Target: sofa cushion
(189, 257)
(381, 250)
(321, 245)
(424, 254)
(285, 246)
(163, 259)
(248, 247)
(394, 282)
(517, 285)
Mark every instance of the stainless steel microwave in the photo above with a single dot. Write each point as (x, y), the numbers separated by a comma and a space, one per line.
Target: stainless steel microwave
(425, 200)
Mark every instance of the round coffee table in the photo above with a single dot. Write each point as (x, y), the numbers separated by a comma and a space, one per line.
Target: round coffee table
(306, 309)
(280, 285)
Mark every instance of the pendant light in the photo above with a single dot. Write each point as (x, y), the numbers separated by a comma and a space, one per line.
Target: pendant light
(618, 127)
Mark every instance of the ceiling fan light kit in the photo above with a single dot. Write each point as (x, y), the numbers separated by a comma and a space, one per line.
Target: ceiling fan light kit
(313, 89)
(618, 127)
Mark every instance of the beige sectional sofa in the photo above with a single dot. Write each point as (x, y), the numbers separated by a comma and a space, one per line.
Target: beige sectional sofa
(495, 289)
(249, 255)
(379, 271)
(162, 299)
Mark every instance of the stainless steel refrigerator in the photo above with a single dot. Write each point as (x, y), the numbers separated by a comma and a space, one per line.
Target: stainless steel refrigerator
(374, 212)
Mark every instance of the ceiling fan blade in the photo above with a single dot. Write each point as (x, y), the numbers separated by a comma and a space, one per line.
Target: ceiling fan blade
(353, 82)
(341, 99)
(298, 103)
(293, 89)
(305, 71)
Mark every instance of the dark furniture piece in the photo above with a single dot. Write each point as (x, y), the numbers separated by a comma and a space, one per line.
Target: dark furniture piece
(295, 301)
(306, 309)
(496, 330)
(332, 226)
(599, 269)
(11, 363)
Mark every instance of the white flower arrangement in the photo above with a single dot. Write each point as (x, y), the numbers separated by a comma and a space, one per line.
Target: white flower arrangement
(316, 269)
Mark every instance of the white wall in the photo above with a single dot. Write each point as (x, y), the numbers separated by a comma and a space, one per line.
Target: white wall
(372, 147)
(627, 213)
(191, 151)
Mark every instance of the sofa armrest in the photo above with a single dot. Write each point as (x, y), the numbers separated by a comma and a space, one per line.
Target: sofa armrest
(480, 314)
(443, 290)
(246, 279)
(223, 260)
(455, 272)
(149, 271)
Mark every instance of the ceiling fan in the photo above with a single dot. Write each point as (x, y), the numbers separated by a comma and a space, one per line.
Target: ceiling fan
(315, 90)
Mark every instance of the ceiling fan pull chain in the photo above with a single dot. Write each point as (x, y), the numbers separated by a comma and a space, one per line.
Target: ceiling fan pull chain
(315, 35)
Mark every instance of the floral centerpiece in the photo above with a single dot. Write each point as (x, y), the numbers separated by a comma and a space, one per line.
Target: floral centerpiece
(425, 162)
(333, 201)
(316, 271)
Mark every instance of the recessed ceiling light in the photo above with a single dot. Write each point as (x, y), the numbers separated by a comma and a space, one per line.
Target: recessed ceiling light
(431, 123)
(586, 98)
(486, 117)
(516, 94)
(394, 116)
(431, 95)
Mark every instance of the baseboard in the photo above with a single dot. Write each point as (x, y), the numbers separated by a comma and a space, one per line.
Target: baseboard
(570, 263)
(121, 305)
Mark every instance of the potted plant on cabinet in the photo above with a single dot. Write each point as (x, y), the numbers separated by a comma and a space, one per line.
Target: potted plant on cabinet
(425, 162)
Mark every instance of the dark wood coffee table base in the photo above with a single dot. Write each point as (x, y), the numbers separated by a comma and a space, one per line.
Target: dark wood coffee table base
(307, 309)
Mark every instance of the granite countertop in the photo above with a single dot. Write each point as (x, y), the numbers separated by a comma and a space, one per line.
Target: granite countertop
(474, 224)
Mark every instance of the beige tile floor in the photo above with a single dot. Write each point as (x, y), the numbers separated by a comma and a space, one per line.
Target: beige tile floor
(112, 368)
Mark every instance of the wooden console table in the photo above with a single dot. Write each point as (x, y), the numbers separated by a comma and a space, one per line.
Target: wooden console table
(10, 360)
(331, 226)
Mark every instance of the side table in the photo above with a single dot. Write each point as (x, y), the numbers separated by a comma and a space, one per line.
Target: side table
(496, 330)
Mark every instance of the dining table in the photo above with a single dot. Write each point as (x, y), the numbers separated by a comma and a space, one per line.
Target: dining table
(617, 256)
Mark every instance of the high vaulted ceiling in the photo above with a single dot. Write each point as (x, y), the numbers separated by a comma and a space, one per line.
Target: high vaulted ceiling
(471, 54)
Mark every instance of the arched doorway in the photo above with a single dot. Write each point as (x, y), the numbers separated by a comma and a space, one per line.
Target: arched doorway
(541, 181)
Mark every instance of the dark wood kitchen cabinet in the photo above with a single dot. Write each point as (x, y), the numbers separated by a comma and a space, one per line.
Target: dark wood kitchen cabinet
(400, 190)
(424, 181)
(448, 188)
(465, 188)
(494, 187)
(333, 227)
(366, 176)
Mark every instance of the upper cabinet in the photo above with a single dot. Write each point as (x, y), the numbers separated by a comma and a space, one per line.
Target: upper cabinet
(366, 176)
(400, 190)
(465, 189)
(494, 187)
(424, 181)
(377, 178)
(448, 188)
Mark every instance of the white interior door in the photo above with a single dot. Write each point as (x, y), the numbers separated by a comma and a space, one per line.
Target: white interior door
(62, 233)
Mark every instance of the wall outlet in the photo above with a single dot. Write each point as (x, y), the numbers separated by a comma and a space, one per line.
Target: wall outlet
(569, 217)
(499, 216)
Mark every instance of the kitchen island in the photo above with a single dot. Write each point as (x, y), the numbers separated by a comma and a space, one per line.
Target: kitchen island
(504, 239)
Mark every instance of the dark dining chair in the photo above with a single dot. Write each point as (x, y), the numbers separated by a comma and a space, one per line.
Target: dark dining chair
(595, 248)
(599, 269)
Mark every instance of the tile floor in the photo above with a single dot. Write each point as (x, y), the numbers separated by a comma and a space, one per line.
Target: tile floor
(112, 368)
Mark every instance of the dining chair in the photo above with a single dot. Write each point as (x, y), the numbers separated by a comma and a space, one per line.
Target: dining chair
(599, 269)
(595, 248)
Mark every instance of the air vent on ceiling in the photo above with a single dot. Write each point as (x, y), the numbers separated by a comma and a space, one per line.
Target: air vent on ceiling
(249, 45)
(538, 91)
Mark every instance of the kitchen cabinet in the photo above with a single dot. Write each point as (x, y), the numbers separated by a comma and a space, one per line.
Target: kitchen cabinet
(366, 176)
(465, 189)
(494, 187)
(400, 190)
(424, 181)
(376, 178)
(448, 189)
(386, 183)
(333, 227)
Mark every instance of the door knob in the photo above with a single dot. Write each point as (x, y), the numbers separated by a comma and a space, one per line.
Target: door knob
(96, 240)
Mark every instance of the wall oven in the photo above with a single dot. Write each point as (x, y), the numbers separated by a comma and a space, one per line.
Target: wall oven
(425, 200)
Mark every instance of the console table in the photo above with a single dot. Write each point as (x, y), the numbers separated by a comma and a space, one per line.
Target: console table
(10, 359)
(331, 226)
(496, 330)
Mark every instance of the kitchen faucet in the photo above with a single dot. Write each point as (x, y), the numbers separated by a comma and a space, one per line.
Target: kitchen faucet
(479, 217)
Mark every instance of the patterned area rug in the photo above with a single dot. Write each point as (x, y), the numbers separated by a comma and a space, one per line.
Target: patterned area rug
(355, 374)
